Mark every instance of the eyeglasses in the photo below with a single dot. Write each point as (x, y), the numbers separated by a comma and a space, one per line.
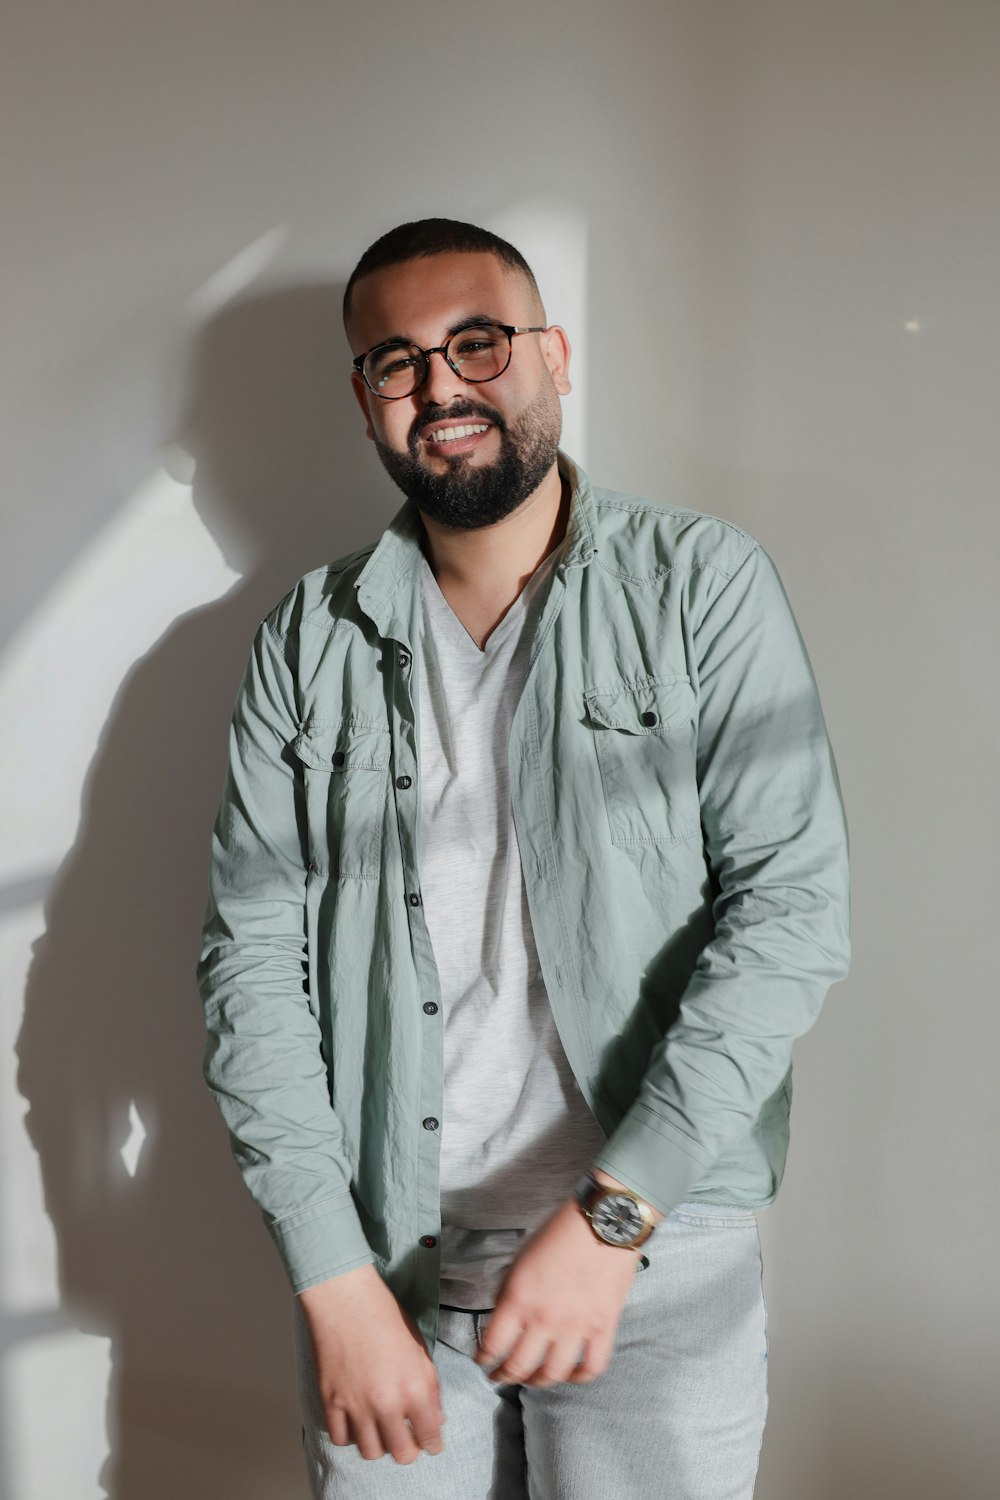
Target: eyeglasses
(477, 354)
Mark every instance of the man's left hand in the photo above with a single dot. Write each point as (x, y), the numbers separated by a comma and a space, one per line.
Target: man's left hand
(558, 1308)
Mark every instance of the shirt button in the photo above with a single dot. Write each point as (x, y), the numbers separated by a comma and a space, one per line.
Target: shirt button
(430, 1009)
(649, 718)
(428, 1241)
(430, 1123)
(404, 658)
(414, 899)
(403, 782)
(339, 757)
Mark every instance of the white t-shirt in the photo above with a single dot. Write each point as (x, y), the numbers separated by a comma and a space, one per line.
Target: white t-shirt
(516, 1131)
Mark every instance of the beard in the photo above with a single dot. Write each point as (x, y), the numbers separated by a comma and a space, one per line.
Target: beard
(466, 496)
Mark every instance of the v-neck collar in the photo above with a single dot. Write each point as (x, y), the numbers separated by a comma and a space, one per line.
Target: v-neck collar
(503, 627)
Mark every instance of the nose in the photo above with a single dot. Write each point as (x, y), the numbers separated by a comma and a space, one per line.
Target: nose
(442, 383)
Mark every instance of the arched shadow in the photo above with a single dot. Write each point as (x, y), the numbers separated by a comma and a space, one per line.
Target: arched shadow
(172, 1264)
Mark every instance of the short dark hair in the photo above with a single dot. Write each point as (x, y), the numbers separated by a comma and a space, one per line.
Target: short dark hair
(427, 237)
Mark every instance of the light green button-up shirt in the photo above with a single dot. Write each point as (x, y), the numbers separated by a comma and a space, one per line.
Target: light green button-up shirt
(681, 832)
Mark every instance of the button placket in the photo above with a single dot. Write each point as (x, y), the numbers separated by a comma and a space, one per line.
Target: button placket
(405, 782)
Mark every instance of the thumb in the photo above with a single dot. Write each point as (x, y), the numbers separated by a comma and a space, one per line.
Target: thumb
(499, 1335)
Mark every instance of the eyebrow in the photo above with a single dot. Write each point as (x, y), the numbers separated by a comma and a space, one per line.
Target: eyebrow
(474, 320)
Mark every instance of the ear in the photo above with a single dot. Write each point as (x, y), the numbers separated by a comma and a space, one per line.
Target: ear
(556, 352)
(364, 396)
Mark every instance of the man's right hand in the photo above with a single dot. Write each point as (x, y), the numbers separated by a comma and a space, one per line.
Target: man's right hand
(377, 1382)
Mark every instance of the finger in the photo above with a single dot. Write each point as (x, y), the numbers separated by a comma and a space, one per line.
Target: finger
(499, 1336)
(524, 1359)
(397, 1439)
(366, 1438)
(427, 1432)
(338, 1427)
(595, 1361)
(559, 1363)
(426, 1416)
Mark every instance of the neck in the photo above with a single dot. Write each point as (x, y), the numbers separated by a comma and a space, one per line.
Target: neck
(495, 562)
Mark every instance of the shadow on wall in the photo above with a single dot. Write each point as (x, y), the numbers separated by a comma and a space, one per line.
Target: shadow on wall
(173, 1265)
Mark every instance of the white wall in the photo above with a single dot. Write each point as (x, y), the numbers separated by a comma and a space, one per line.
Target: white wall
(789, 211)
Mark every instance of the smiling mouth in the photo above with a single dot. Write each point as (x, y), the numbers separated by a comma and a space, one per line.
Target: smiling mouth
(454, 434)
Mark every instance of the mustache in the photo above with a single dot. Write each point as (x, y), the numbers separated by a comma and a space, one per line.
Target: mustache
(464, 411)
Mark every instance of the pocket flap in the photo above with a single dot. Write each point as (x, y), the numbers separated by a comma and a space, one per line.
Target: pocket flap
(647, 706)
(344, 746)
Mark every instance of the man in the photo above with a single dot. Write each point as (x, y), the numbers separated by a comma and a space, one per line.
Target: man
(529, 868)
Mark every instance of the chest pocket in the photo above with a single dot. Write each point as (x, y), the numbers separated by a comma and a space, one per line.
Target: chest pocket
(645, 740)
(346, 774)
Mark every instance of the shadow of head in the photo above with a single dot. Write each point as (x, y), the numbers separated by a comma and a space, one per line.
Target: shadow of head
(283, 474)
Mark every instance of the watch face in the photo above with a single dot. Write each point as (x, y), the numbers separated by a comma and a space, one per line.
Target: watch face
(617, 1219)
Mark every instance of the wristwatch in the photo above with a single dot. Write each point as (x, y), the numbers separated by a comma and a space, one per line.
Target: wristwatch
(616, 1215)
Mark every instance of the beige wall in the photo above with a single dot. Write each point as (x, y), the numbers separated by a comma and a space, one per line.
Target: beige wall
(771, 229)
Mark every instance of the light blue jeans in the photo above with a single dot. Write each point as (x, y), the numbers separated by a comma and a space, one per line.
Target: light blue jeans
(679, 1412)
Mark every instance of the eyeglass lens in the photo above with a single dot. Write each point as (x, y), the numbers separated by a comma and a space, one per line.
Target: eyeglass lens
(478, 354)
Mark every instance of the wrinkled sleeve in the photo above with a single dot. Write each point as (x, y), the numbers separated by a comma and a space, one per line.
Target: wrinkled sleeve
(776, 842)
(264, 1062)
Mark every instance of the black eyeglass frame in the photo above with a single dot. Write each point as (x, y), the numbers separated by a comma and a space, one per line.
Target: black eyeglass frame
(509, 329)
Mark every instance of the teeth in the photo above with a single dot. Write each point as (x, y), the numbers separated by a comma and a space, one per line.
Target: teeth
(449, 434)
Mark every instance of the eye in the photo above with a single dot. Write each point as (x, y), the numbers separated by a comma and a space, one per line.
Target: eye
(478, 341)
(391, 362)
(395, 366)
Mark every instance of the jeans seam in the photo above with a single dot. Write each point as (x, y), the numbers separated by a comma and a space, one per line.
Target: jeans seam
(763, 1303)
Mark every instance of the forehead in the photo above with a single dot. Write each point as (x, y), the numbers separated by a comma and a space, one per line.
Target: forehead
(422, 299)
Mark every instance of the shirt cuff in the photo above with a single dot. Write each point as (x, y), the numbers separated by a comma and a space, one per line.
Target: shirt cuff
(320, 1241)
(653, 1159)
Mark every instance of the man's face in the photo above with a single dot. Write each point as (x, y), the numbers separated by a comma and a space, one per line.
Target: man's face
(476, 480)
